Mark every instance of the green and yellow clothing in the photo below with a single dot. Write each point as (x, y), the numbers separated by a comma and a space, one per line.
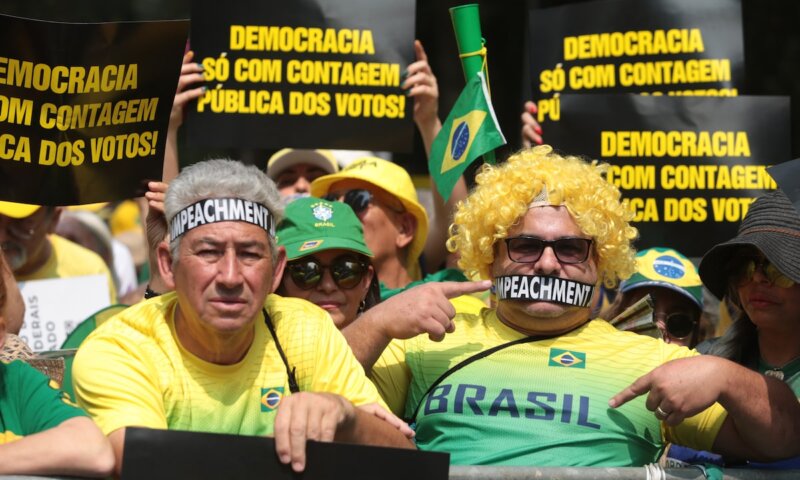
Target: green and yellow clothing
(541, 403)
(30, 402)
(132, 371)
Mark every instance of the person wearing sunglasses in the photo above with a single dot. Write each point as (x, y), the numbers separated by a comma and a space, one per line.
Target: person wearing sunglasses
(673, 284)
(537, 381)
(758, 271)
(230, 356)
(409, 246)
(383, 197)
(328, 262)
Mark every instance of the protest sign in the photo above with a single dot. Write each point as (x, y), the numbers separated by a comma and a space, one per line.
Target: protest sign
(659, 47)
(787, 175)
(84, 108)
(316, 74)
(54, 307)
(688, 166)
(201, 456)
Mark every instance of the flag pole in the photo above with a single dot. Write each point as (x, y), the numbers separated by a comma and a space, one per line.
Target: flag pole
(471, 48)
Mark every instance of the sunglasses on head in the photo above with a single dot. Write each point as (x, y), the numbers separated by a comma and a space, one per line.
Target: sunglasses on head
(358, 199)
(679, 325)
(346, 271)
(568, 250)
(744, 268)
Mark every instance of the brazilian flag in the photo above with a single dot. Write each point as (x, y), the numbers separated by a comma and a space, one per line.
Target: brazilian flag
(470, 130)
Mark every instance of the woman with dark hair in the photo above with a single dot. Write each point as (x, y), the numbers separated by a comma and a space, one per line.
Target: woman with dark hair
(328, 262)
(758, 271)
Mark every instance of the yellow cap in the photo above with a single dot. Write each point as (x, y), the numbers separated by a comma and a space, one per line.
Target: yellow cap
(287, 157)
(394, 180)
(89, 207)
(125, 218)
(17, 210)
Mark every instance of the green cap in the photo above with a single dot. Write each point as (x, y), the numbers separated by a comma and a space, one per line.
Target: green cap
(667, 268)
(314, 225)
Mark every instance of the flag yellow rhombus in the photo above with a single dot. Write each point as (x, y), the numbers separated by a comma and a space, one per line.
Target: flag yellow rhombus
(461, 136)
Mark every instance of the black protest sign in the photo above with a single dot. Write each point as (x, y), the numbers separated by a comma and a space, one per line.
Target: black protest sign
(84, 108)
(688, 166)
(669, 47)
(313, 74)
(787, 175)
(166, 454)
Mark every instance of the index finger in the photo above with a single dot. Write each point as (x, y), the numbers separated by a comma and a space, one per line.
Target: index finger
(456, 289)
(419, 51)
(639, 387)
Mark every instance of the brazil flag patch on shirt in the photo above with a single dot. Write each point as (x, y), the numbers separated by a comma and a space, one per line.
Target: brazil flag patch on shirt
(271, 398)
(566, 358)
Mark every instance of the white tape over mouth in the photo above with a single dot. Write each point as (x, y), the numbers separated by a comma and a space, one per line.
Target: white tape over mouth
(543, 289)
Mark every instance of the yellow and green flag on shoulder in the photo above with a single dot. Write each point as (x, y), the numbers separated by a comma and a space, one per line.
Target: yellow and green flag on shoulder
(470, 130)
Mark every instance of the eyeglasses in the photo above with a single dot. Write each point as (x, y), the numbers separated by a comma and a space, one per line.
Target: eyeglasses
(359, 199)
(744, 268)
(679, 325)
(568, 250)
(346, 271)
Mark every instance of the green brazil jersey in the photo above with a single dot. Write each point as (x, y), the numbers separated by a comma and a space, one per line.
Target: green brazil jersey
(541, 403)
(30, 402)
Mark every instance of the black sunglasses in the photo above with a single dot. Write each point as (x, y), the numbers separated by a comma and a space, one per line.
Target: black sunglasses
(679, 325)
(568, 250)
(346, 270)
(358, 199)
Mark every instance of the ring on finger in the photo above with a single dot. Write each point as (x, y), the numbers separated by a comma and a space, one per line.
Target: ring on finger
(661, 414)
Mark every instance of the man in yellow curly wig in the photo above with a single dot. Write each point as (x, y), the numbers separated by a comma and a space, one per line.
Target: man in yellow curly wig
(535, 381)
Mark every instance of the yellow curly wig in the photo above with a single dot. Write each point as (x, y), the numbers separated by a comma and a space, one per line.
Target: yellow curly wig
(502, 196)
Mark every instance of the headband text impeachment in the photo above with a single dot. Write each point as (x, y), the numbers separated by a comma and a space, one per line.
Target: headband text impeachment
(212, 210)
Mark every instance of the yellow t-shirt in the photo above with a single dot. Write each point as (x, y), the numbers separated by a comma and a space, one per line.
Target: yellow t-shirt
(69, 259)
(132, 371)
(538, 403)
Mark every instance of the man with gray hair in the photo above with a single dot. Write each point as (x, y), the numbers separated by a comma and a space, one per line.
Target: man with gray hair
(222, 353)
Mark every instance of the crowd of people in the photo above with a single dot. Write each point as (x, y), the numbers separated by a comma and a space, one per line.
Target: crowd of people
(316, 301)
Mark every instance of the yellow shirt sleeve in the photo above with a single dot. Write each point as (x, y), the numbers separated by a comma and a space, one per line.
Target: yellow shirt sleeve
(319, 352)
(700, 431)
(391, 376)
(116, 388)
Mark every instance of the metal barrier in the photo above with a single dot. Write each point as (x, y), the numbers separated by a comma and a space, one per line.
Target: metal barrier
(576, 473)
(649, 472)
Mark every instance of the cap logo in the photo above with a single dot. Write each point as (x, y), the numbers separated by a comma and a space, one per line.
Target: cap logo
(309, 245)
(364, 163)
(322, 212)
(213, 210)
(669, 267)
